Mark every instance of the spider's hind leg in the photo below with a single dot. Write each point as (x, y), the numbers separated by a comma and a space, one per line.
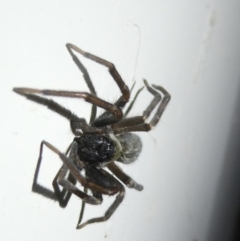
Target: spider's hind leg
(107, 180)
(67, 181)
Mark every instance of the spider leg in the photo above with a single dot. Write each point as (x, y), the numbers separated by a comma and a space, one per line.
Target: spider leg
(87, 80)
(114, 110)
(52, 105)
(128, 181)
(109, 180)
(138, 123)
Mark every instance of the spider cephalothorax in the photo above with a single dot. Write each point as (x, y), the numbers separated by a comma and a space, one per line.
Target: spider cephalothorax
(97, 145)
(96, 148)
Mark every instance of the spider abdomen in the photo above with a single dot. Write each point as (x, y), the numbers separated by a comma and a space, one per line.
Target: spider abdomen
(93, 149)
(131, 147)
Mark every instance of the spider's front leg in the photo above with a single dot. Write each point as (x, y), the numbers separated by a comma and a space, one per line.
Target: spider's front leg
(52, 105)
(110, 108)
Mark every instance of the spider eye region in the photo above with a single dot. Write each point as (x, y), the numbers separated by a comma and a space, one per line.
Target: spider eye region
(93, 149)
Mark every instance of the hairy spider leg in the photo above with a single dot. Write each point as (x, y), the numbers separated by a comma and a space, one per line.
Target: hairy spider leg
(114, 110)
(75, 121)
(52, 105)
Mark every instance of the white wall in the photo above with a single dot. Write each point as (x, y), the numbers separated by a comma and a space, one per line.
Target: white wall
(190, 162)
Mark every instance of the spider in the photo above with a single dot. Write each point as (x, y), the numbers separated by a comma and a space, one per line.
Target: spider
(97, 145)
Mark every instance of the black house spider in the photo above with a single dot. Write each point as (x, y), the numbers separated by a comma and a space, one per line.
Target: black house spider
(96, 145)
